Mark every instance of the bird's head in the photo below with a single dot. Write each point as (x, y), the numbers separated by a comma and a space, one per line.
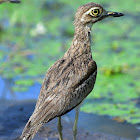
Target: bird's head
(91, 12)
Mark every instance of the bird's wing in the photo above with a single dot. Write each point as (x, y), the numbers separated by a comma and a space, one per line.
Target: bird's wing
(57, 92)
(60, 81)
(59, 84)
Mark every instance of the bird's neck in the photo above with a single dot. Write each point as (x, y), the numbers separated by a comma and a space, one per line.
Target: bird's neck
(81, 44)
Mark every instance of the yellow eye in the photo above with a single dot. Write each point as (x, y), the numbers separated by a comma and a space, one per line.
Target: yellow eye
(95, 12)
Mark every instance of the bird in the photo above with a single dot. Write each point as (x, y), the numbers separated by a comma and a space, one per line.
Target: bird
(71, 78)
(11, 1)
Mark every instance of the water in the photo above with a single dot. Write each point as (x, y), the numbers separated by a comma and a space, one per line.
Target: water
(104, 124)
(7, 93)
(89, 122)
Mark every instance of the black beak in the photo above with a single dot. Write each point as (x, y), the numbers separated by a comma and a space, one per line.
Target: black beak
(114, 14)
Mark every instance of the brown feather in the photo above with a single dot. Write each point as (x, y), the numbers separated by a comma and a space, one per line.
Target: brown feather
(67, 82)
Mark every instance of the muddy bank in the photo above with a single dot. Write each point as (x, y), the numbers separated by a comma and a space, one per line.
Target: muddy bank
(14, 115)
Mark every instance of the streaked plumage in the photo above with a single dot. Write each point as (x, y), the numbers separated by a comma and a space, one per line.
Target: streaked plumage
(70, 79)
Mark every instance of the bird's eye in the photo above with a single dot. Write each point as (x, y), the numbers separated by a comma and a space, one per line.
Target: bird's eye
(95, 12)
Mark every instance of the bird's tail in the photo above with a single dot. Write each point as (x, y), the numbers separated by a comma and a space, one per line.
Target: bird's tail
(30, 130)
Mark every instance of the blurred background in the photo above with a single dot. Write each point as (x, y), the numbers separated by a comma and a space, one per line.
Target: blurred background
(34, 34)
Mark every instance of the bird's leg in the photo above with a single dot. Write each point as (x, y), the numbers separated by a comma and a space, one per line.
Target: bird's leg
(59, 126)
(75, 122)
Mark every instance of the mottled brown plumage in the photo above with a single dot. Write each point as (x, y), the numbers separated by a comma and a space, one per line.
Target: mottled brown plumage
(70, 79)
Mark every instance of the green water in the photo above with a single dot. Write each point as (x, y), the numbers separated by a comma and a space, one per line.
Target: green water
(34, 34)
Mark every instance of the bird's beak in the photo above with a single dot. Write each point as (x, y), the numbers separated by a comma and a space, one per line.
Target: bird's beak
(114, 14)
(110, 14)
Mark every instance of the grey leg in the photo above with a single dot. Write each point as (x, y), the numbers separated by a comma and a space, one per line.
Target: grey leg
(75, 122)
(59, 126)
